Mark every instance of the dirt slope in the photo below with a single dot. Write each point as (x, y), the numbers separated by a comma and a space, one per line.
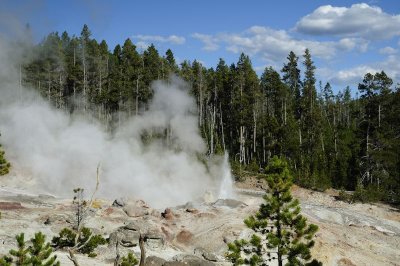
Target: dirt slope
(357, 234)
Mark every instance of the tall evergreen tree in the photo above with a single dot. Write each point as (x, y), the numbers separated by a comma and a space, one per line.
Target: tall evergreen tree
(313, 162)
(291, 77)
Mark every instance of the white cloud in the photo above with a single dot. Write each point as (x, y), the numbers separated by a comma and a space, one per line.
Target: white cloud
(351, 75)
(142, 45)
(174, 39)
(387, 50)
(210, 43)
(274, 45)
(359, 20)
(391, 66)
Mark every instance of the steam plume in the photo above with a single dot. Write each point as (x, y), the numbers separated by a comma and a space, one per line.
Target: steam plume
(61, 152)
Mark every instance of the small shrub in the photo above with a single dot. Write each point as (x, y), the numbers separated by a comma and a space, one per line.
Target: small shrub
(65, 239)
(237, 171)
(369, 194)
(344, 196)
(253, 167)
(87, 242)
(129, 260)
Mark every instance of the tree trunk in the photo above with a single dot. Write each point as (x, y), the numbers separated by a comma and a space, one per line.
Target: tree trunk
(222, 127)
(142, 239)
(255, 130)
(279, 233)
(72, 257)
(212, 126)
(137, 96)
(379, 115)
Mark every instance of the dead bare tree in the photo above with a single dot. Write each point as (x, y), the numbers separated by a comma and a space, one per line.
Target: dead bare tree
(81, 214)
(142, 239)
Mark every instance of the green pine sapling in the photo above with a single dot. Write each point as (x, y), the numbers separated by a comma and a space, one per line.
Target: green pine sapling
(281, 232)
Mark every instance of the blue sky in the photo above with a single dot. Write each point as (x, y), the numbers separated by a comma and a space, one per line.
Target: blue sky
(346, 38)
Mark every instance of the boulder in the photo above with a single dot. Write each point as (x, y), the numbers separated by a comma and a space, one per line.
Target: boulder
(200, 252)
(184, 237)
(192, 210)
(155, 240)
(154, 261)
(119, 203)
(126, 238)
(168, 214)
(128, 235)
(188, 259)
(175, 263)
(133, 210)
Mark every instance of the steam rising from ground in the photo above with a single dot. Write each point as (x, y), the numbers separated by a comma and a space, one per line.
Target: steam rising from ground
(61, 152)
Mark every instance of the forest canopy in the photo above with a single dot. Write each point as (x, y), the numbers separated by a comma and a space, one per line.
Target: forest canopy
(329, 139)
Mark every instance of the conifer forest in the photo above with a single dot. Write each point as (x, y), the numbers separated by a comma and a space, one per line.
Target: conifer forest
(349, 140)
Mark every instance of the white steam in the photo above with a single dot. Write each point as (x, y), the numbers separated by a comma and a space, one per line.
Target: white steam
(226, 190)
(61, 152)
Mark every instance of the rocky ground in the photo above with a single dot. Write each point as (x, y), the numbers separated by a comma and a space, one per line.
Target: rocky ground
(197, 233)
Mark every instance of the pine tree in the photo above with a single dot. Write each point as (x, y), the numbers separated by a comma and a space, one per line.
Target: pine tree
(377, 135)
(281, 232)
(313, 172)
(41, 251)
(291, 77)
(152, 69)
(22, 253)
(38, 254)
(171, 63)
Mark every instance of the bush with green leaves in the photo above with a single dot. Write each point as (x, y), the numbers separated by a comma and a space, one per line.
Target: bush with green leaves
(281, 233)
(86, 242)
(39, 253)
(129, 260)
(370, 193)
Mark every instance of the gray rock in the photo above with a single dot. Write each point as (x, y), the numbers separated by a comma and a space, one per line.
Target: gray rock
(154, 261)
(135, 210)
(126, 238)
(189, 259)
(119, 203)
(206, 255)
(155, 240)
(231, 203)
(175, 263)
(128, 235)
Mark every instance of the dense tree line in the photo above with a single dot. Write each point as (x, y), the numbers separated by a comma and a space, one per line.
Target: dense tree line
(329, 140)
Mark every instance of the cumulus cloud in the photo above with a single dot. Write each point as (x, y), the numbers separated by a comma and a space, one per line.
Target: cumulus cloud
(173, 39)
(387, 50)
(274, 45)
(359, 20)
(210, 42)
(142, 45)
(354, 75)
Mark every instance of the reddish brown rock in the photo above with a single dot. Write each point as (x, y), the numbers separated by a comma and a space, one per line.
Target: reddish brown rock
(10, 206)
(168, 214)
(184, 237)
(192, 210)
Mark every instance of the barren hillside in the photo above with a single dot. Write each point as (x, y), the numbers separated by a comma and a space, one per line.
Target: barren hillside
(197, 232)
